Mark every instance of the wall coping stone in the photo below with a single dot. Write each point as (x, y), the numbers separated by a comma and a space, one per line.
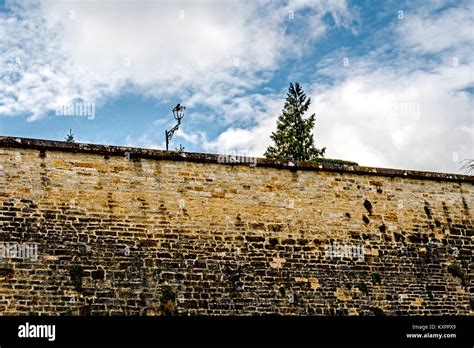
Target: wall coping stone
(135, 153)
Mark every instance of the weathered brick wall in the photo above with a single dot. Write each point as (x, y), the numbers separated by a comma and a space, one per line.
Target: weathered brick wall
(182, 234)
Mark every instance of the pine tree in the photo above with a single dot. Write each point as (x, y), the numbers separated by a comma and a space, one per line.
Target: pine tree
(70, 137)
(294, 138)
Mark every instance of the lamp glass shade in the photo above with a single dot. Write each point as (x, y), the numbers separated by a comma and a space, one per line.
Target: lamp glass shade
(178, 111)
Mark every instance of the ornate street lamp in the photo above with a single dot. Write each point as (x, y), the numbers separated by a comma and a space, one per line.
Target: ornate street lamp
(178, 113)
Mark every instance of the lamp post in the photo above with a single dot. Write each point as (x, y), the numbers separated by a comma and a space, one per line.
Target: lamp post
(178, 113)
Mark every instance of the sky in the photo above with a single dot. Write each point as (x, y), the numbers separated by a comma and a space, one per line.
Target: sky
(391, 82)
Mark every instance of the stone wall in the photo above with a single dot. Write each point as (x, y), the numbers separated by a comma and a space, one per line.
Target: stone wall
(142, 232)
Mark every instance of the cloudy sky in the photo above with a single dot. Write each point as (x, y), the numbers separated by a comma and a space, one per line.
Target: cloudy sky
(391, 82)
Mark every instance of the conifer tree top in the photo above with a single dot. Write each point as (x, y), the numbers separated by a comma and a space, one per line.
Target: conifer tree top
(293, 139)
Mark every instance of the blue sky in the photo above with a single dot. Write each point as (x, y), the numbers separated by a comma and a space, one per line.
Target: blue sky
(391, 81)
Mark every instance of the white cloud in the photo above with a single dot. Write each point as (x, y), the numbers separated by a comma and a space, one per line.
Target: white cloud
(144, 141)
(199, 50)
(392, 111)
(407, 111)
(413, 121)
(219, 54)
(252, 141)
(429, 31)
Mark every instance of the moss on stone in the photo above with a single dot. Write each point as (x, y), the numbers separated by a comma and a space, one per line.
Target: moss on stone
(76, 272)
(377, 311)
(363, 288)
(455, 270)
(167, 301)
(376, 278)
(6, 271)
